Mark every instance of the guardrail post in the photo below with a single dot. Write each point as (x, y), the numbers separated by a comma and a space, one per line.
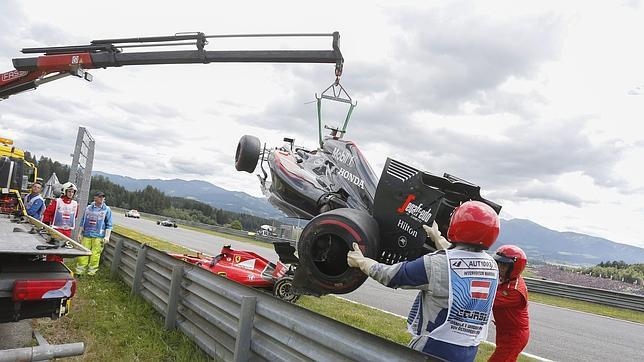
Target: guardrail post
(138, 272)
(116, 259)
(173, 299)
(245, 328)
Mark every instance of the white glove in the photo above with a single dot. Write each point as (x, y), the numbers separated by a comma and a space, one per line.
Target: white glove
(355, 259)
(106, 239)
(433, 233)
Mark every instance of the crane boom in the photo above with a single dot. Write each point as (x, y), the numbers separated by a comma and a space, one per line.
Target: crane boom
(59, 62)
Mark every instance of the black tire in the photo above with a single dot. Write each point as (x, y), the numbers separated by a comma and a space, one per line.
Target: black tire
(283, 289)
(247, 155)
(158, 222)
(175, 225)
(323, 248)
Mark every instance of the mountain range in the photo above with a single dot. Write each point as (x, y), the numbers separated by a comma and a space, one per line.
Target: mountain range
(543, 244)
(540, 243)
(203, 191)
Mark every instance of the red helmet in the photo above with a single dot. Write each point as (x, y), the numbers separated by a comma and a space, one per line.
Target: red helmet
(474, 223)
(513, 255)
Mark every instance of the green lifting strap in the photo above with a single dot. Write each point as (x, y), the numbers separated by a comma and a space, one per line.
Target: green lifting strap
(337, 96)
(319, 105)
(346, 121)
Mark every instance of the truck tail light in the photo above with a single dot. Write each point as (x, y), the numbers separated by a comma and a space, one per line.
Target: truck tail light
(44, 289)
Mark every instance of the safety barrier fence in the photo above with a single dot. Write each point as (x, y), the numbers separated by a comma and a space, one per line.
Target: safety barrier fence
(601, 296)
(594, 295)
(233, 322)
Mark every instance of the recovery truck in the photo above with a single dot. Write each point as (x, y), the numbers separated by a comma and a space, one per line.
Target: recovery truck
(30, 285)
(54, 63)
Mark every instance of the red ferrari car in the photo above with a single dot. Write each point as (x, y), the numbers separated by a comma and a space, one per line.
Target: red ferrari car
(248, 268)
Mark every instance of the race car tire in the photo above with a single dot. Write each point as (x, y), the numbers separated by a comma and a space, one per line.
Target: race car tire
(323, 247)
(283, 289)
(158, 222)
(175, 225)
(248, 150)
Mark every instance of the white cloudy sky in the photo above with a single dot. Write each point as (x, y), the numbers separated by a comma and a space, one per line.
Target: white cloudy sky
(541, 105)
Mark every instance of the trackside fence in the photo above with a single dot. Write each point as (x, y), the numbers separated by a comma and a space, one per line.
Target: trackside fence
(594, 295)
(233, 322)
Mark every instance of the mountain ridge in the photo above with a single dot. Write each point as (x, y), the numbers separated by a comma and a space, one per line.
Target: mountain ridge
(564, 247)
(203, 191)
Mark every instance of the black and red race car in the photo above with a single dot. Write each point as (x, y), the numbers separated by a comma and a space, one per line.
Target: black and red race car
(248, 268)
(334, 186)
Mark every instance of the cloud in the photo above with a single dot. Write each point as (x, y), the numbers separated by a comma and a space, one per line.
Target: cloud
(637, 91)
(474, 90)
(522, 153)
(542, 191)
(148, 110)
(18, 33)
(452, 66)
(451, 57)
(634, 4)
(190, 166)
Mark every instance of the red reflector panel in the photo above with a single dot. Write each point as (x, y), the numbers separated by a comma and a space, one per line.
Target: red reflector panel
(44, 289)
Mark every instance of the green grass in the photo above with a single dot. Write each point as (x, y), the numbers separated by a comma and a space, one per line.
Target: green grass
(385, 325)
(117, 327)
(152, 241)
(528, 273)
(605, 310)
(382, 324)
(228, 236)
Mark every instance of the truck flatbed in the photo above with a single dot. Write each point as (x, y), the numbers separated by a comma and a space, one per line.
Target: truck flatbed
(16, 238)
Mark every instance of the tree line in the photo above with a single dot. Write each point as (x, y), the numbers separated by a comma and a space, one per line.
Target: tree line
(152, 200)
(618, 270)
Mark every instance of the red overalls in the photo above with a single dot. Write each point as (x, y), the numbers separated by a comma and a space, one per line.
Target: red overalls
(511, 319)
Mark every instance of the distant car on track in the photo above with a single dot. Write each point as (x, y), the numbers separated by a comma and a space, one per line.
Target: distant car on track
(167, 222)
(132, 213)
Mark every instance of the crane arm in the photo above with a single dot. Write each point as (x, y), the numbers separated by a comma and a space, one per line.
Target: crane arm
(59, 62)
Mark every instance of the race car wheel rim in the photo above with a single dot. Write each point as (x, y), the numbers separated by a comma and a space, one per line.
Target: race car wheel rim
(284, 291)
(329, 254)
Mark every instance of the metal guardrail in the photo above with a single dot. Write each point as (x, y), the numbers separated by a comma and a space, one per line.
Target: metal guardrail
(594, 295)
(236, 323)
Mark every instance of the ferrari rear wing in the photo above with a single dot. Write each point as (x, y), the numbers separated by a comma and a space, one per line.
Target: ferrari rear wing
(58, 62)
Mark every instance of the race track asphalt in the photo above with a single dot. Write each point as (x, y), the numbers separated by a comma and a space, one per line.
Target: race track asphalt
(556, 333)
